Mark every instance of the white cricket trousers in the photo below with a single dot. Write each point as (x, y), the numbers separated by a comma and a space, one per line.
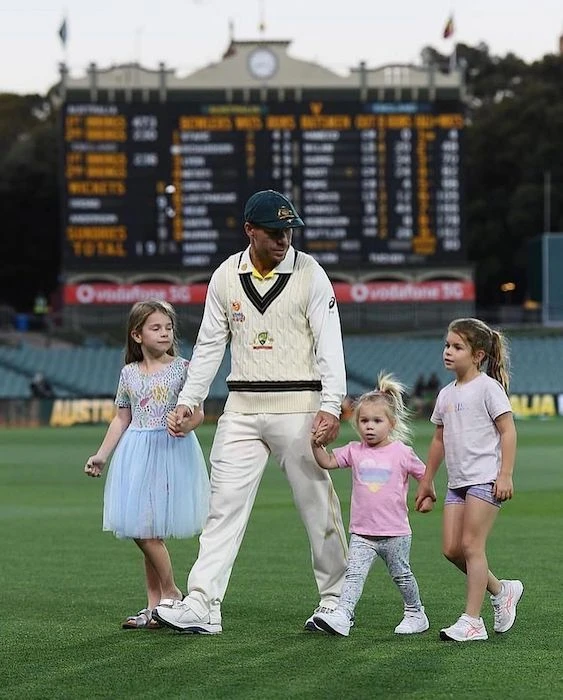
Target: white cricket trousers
(242, 445)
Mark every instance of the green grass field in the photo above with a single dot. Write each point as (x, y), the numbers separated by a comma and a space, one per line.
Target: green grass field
(66, 586)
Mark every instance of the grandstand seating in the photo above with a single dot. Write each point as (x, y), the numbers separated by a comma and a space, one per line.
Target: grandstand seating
(535, 361)
(71, 371)
(82, 371)
(88, 371)
(13, 384)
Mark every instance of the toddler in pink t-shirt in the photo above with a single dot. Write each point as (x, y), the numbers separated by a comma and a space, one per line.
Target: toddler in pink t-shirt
(379, 525)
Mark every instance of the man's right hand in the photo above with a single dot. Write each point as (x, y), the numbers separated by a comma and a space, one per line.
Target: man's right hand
(175, 419)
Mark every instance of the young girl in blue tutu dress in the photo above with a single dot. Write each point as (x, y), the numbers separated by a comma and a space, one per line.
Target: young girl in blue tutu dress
(157, 486)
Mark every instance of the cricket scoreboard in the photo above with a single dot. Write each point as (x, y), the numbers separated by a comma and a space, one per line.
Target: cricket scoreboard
(163, 186)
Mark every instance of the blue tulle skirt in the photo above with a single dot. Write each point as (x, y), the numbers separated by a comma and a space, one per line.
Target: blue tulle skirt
(157, 486)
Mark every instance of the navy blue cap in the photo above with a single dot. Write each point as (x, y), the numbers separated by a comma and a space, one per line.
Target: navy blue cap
(271, 209)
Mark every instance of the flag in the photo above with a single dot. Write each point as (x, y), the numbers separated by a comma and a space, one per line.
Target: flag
(63, 32)
(449, 28)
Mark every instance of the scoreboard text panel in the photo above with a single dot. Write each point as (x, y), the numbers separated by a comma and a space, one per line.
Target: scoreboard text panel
(164, 186)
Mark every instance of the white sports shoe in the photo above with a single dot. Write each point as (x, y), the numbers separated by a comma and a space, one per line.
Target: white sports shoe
(181, 617)
(466, 629)
(310, 625)
(413, 622)
(504, 605)
(333, 622)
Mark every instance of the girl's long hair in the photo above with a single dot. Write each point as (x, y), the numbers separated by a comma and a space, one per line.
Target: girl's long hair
(493, 343)
(388, 391)
(137, 319)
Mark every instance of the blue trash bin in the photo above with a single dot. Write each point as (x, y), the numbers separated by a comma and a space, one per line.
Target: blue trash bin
(22, 322)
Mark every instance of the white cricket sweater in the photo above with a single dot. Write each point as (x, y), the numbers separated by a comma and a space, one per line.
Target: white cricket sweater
(286, 344)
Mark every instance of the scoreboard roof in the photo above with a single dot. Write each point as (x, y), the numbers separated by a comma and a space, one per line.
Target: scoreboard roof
(263, 64)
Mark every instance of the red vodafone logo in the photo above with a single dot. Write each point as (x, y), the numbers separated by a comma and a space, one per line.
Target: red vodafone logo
(85, 294)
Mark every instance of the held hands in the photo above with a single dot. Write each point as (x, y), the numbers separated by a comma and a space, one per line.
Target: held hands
(183, 420)
(175, 420)
(425, 505)
(324, 429)
(425, 497)
(94, 466)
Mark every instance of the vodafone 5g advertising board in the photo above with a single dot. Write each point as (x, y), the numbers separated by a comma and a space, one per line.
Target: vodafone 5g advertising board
(96, 294)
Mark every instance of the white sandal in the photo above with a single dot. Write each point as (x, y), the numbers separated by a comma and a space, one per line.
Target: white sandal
(142, 620)
(169, 602)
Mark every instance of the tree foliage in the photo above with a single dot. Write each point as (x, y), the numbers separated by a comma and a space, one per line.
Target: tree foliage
(29, 200)
(514, 145)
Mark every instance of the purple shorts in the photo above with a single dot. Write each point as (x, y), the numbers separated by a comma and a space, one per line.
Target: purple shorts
(482, 491)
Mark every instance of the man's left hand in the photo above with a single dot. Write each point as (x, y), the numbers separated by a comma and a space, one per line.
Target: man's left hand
(325, 428)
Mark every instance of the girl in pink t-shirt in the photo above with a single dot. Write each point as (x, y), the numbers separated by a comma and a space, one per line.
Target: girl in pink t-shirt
(381, 464)
(475, 434)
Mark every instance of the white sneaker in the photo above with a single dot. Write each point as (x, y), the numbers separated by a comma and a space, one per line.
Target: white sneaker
(466, 629)
(413, 622)
(181, 617)
(310, 625)
(333, 622)
(504, 605)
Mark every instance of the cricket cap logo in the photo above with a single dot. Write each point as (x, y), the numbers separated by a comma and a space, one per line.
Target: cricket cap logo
(285, 213)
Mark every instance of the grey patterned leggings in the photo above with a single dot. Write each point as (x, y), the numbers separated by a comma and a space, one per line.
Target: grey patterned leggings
(395, 553)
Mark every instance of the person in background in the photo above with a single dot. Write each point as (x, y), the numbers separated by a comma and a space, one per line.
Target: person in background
(432, 386)
(157, 487)
(40, 387)
(475, 433)
(347, 408)
(381, 464)
(276, 307)
(41, 311)
(417, 397)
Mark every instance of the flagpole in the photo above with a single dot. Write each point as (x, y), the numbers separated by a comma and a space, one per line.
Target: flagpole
(261, 19)
(547, 201)
(448, 33)
(453, 58)
(138, 45)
